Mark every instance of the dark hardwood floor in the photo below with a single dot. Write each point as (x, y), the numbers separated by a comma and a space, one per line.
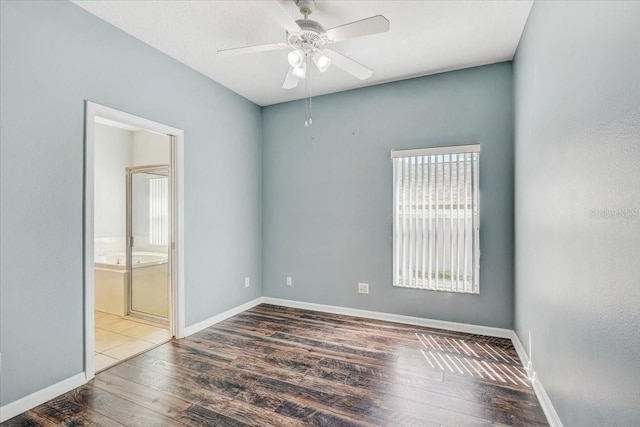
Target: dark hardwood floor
(277, 366)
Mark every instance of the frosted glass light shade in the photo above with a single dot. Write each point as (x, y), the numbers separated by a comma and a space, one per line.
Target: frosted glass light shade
(322, 62)
(300, 72)
(295, 58)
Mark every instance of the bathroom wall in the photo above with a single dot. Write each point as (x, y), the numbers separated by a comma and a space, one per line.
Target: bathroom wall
(55, 56)
(577, 146)
(113, 154)
(150, 148)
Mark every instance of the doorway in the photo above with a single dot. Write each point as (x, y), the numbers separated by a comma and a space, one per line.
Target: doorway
(133, 225)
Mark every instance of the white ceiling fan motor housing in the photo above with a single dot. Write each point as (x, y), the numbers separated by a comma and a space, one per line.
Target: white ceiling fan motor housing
(312, 36)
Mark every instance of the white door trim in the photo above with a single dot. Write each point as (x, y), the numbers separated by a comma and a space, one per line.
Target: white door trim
(177, 301)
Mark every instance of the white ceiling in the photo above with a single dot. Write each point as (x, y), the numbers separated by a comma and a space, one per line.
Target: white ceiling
(426, 37)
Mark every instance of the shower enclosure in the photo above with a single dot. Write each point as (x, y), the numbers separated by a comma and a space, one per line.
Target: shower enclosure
(148, 236)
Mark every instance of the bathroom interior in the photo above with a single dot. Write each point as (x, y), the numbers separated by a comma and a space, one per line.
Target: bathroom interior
(131, 240)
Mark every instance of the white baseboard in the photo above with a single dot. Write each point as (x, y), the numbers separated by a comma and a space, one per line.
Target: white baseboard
(19, 406)
(398, 318)
(541, 394)
(190, 330)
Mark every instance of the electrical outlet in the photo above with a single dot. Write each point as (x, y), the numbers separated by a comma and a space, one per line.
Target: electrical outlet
(363, 288)
(247, 282)
(289, 281)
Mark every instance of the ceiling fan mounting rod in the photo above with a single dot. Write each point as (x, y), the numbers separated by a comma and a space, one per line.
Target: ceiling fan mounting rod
(306, 7)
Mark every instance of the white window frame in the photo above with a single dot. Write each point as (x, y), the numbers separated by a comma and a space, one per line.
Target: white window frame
(409, 250)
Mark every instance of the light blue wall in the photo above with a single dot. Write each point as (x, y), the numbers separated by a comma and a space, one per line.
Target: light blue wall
(577, 127)
(328, 192)
(54, 57)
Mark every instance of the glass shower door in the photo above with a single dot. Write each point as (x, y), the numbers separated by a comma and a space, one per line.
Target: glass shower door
(149, 237)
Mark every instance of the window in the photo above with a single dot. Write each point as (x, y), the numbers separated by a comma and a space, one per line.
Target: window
(159, 211)
(436, 218)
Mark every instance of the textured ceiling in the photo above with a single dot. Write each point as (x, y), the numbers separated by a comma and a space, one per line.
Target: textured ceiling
(426, 37)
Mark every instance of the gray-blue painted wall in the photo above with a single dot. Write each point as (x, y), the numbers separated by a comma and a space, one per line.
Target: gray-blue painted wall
(54, 57)
(577, 145)
(327, 192)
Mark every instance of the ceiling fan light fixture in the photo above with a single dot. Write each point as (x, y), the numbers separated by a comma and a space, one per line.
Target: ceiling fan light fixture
(322, 61)
(307, 38)
(300, 72)
(296, 58)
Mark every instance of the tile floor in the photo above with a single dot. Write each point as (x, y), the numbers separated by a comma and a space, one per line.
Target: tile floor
(117, 339)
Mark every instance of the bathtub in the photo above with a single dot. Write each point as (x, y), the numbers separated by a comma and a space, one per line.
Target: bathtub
(117, 260)
(111, 280)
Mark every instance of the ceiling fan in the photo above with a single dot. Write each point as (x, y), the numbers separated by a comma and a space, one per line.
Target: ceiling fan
(307, 39)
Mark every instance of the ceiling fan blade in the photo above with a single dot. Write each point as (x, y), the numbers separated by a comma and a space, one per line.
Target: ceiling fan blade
(364, 27)
(280, 15)
(251, 49)
(348, 65)
(291, 80)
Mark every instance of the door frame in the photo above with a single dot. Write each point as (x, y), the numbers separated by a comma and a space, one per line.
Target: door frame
(176, 309)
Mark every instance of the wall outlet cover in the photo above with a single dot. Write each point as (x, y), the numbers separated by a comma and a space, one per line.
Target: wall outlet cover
(289, 281)
(247, 282)
(363, 288)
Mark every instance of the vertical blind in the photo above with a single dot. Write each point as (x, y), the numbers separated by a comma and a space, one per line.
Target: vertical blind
(159, 211)
(436, 218)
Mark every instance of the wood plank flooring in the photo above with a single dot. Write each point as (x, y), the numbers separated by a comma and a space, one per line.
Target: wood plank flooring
(278, 366)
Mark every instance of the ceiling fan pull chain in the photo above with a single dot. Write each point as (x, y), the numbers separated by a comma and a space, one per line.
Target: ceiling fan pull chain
(309, 92)
(307, 101)
(306, 115)
(306, 112)
(310, 110)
